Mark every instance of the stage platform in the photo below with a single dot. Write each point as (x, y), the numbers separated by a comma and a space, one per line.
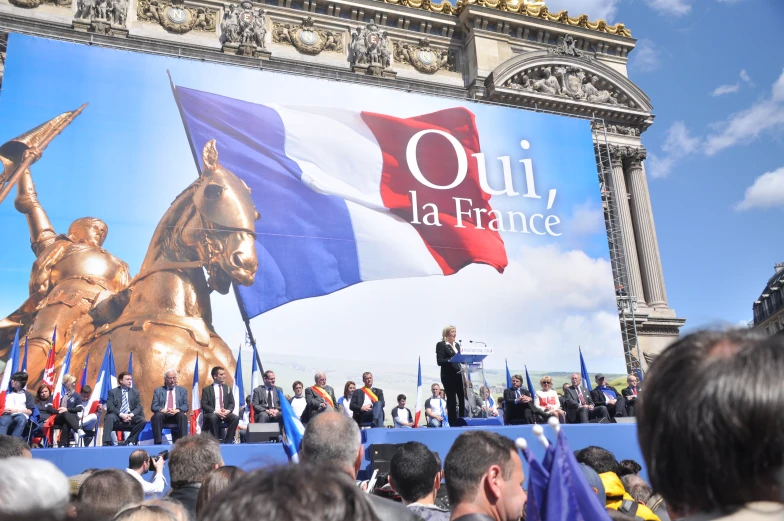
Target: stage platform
(621, 439)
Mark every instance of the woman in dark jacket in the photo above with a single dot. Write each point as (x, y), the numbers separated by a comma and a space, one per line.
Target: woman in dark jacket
(451, 375)
(43, 401)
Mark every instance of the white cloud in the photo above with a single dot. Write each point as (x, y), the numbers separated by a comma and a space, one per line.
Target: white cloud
(547, 302)
(677, 144)
(746, 78)
(767, 191)
(645, 57)
(587, 219)
(721, 90)
(763, 116)
(675, 8)
(595, 9)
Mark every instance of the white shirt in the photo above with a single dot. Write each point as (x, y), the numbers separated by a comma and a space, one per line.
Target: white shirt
(367, 401)
(245, 418)
(298, 404)
(403, 416)
(218, 391)
(346, 409)
(16, 400)
(437, 405)
(152, 489)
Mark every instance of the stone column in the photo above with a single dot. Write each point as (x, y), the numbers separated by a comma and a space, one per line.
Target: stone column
(644, 229)
(627, 229)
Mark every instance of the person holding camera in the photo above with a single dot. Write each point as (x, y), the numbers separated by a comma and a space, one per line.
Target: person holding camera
(139, 463)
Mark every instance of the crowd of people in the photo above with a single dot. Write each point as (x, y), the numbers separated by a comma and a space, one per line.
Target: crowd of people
(725, 464)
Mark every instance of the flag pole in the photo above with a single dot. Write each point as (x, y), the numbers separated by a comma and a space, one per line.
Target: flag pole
(248, 330)
(184, 123)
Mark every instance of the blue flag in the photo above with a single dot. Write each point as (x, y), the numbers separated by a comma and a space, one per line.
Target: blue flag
(530, 383)
(489, 395)
(638, 370)
(584, 372)
(569, 497)
(538, 478)
(107, 376)
(508, 376)
(293, 430)
(130, 366)
(239, 386)
(24, 360)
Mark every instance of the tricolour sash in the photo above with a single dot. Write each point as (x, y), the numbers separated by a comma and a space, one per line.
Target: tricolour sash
(370, 394)
(325, 395)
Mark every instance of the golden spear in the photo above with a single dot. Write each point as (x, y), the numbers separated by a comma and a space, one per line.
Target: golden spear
(29, 147)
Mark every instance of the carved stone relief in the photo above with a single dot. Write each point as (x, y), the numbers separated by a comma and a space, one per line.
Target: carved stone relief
(176, 17)
(31, 4)
(571, 82)
(244, 30)
(612, 128)
(369, 51)
(107, 17)
(567, 46)
(425, 58)
(306, 38)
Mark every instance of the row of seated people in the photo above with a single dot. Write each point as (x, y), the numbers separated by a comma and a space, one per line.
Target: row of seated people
(603, 403)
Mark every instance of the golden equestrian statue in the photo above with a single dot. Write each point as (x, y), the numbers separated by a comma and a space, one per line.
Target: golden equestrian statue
(163, 315)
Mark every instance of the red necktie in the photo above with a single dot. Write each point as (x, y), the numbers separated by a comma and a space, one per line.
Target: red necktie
(580, 393)
(221, 396)
(170, 402)
(634, 391)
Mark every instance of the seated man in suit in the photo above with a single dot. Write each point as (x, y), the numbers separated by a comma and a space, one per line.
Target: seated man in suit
(631, 393)
(266, 401)
(217, 404)
(169, 405)
(124, 411)
(367, 404)
(609, 397)
(518, 403)
(321, 397)
(579, 406)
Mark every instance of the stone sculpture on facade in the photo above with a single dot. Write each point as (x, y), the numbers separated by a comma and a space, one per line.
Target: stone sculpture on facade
(612, 128)
(176, 17)
(568, 81)
(369, 51)
(30, 4)
(425, 58)
(102, 16)
(244, 30)
(567, 46)
(306, 38)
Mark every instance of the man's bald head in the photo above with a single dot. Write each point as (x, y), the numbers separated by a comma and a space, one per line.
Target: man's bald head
(332, 440)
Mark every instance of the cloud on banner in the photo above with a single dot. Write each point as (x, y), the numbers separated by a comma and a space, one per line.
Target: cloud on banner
(336, 206)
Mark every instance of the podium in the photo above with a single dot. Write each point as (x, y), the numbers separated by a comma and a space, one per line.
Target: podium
(471, 360)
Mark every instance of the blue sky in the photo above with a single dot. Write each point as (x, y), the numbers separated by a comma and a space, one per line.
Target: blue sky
(715, 152)
(127, 157)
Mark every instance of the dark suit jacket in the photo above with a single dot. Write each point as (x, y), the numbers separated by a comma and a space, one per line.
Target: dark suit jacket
(208, 399)
(314, 400)
(572, 400)
(358, 400)
(598, 396)
(515, 410)
(114, 402)
(260, 400)
(443, 353)
(627, 392)
(160, 396)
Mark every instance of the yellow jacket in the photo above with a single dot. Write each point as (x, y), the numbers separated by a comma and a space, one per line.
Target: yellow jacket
(616, 494)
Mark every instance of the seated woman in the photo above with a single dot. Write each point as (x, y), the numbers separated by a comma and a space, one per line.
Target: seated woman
(489, 409)
(343, 401)
(43, 402)
(547, 400)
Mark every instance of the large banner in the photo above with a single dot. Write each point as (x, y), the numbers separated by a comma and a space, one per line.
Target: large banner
(354, 222)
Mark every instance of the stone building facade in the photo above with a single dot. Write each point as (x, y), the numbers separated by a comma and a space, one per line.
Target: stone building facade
(769, 307)
(514, 52)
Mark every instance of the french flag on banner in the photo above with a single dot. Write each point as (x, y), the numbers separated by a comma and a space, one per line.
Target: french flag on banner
(23, 367)
(418, 410)
(83, 380)
(10, 368)
(50, 359)
(59, 390)
(335, 187)
(107, 380)
(196, 402)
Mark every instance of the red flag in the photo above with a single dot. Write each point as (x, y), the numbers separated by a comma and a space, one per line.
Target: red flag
(49, 370)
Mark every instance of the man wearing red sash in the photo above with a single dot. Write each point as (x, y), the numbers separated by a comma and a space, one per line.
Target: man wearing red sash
(320, 397)
(367, 404)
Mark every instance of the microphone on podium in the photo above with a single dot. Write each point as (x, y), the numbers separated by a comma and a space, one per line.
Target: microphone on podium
(478, 342)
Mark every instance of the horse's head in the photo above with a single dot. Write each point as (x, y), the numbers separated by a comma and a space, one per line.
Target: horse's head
(227, 242)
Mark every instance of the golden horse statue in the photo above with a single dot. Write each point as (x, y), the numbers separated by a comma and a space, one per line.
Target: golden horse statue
(163, 316)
